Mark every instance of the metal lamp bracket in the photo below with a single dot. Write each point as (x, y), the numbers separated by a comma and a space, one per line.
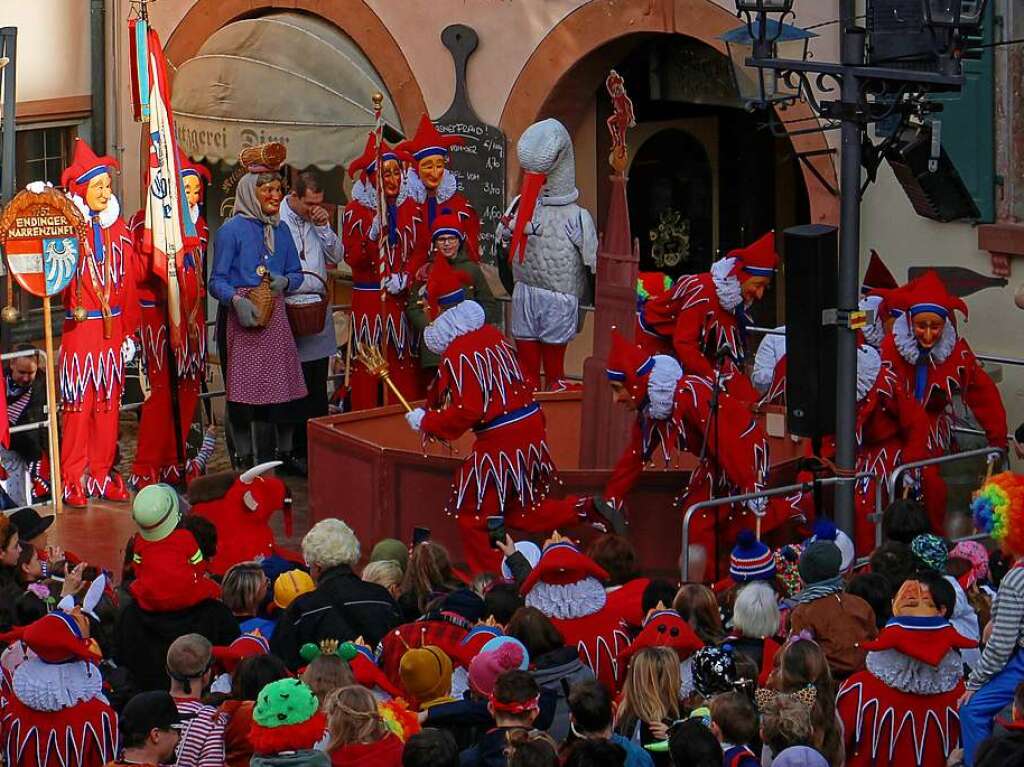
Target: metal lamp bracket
(857, 319)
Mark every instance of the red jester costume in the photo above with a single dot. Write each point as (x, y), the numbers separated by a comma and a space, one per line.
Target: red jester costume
(56, 714)
(103, 313)
(434, 187)
(902, 709)
(704, 316)
(379, 288)
(673, 413)
(480, 386)
(934, 365)
(892, 428)
(156, 456)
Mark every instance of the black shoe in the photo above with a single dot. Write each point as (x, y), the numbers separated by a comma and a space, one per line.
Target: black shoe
(292, 465)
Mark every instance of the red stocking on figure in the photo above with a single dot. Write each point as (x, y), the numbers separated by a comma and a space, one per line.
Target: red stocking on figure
(529, 353)
(554, 365)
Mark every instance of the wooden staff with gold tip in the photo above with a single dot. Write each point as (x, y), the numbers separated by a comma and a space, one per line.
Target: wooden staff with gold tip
(373, 360)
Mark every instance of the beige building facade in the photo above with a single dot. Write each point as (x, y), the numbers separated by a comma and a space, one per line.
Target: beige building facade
(694, 146)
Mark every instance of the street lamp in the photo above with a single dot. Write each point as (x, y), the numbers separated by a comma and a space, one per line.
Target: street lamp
(953, 14)
(757, 12)
(760, 85)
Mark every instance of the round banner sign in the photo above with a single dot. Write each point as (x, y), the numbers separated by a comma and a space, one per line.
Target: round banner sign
(41, 235)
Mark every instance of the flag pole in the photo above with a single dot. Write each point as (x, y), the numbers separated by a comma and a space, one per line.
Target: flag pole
(383, 238)
(56, 487)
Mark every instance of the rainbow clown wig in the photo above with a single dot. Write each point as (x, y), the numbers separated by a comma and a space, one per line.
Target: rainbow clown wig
(998, 509)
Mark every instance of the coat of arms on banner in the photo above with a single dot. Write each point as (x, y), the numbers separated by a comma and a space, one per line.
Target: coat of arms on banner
(41, 234)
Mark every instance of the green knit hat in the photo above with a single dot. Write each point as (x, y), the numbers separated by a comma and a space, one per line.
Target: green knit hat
(286, 717)
(393, 549)
(156, 512)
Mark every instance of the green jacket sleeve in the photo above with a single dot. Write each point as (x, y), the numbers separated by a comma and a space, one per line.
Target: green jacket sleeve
(414, 310)
(482, 295)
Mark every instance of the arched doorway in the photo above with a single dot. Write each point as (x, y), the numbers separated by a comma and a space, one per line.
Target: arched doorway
(575, 56)
(672, 202)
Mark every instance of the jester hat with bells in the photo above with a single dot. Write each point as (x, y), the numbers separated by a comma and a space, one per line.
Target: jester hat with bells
(85, 166)
(758, 259)
(366, 164)
(926, 293)
(63, 635)
(629, 365)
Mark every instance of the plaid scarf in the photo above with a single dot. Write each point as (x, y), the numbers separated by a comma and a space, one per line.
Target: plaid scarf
(818, 590)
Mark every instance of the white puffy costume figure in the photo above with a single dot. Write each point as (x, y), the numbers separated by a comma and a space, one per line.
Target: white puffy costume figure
(553, 244)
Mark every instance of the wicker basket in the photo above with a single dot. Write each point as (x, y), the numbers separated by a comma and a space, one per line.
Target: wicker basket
(307, 311)
(263, 299)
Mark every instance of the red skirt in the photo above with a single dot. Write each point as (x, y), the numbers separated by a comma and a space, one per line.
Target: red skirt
(263, 363)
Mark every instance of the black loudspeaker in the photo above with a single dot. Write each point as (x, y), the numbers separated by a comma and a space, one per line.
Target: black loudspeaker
(940, 194)
(812, 275)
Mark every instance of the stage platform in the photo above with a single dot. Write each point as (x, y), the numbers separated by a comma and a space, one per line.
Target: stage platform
(371, 470)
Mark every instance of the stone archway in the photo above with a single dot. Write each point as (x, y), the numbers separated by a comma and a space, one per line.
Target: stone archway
(354, 17)
(545, 87)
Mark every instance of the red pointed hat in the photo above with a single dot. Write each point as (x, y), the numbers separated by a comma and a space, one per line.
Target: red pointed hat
(55, 638)
(759, 258)
(245, 646)
(925, 638)
(446, 285)
(927, 293)
(560, 564)
(447, 223)
(85, 166)
(664, 628)
(366, 163)
(429, 141)
(628, 364)
(877, 276)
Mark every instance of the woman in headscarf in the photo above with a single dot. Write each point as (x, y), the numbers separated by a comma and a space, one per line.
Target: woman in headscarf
(253, 251)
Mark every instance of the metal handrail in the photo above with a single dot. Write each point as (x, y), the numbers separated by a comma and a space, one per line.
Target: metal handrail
(898, 472)
(769, 493)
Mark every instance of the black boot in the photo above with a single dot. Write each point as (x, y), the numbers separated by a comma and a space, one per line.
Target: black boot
(292, 465)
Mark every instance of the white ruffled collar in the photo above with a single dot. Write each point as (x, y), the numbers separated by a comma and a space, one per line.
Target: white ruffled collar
(906, 341)
(107, 216)
(418, 191)
(56, 686)
(464, 317)
(869, 362)
(727, 284)
(366, 194)
(661, 387)
(193, 211)
(565, 602)
(906, 674)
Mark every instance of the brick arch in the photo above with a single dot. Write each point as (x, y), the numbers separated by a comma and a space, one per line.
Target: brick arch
(353, 17)
(562, 67)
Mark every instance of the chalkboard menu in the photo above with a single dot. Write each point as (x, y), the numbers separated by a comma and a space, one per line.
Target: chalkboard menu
(479, 164)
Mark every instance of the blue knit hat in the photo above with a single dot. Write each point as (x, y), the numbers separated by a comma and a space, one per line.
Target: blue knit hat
(751, 560)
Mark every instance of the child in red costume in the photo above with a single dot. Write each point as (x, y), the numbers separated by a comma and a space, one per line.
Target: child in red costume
(434, 187)
(902, 709)
(705, 315)
(673, 412)
(156, 458)
(56, 714)
(379, 291)
(934, 365)
(170, 573)
(567, 586)
(102, 314)
(480, 386)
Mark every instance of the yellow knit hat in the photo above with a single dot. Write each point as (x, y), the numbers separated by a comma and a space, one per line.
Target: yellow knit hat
(426, 673)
